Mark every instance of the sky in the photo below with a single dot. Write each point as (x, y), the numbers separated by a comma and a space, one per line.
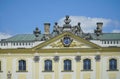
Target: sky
(23, 16)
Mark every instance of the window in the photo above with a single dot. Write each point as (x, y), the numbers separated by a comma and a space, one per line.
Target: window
(1, 44)
(67, 65)
(0, 65)
(117, 42)
(111, 42)
(14, 44)
(17, 44)
(20, 44)
(29, 43)
(104, 42)
(108, 42)
(114, 42)
(23, 44)
(26, 43)
(113, 64)
(48, 65)
(86, 64)
(22, 65)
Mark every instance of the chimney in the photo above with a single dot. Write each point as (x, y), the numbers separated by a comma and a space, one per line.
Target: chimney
(47, 28)
(99, 25)
(98, 30)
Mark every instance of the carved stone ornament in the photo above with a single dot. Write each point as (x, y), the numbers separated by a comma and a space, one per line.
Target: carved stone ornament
(78, 58)
(9, 75)
(36, 58)
(97, 57)
(56, 58)
(66, 41)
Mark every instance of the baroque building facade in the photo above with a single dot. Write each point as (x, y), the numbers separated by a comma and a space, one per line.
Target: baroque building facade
(66, 53)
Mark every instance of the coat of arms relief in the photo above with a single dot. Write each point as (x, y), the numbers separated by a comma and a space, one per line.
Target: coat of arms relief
(68, 42)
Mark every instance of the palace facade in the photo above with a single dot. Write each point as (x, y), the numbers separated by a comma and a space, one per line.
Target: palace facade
(66, 53)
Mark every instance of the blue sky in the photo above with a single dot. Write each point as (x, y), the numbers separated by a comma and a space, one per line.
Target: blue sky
(22, 16)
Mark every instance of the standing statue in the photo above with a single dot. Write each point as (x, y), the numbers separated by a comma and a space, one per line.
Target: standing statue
(56, 28)
(79, 28)
(9, 75)
(67, 21)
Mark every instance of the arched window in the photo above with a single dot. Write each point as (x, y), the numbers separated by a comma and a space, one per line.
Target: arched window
(22, 65)
(67, 65)
(112, 64)
(86, 64)
(48, 65)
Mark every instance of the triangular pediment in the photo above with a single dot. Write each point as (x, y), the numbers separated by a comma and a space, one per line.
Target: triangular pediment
(58, 43)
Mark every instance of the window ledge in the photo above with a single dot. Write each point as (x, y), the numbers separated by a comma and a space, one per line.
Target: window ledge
(47, 71)
(87, 70)
(22, 71)
(113, 70)
(67, 71)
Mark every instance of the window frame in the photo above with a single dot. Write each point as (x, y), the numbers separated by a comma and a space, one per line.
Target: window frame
(0, 66)
(68, 66)
(113, 67)
(88, 66)
(23, 66)
(48, 65)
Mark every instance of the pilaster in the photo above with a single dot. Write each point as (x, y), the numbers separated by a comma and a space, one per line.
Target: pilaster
(98, 70)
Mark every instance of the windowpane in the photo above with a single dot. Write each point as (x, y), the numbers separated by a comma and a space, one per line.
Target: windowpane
(67, 65)
(87, 64)
(48, 65)
(22, 65)
(113, 64)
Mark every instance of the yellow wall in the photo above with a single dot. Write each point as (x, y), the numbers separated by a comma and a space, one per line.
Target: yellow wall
(37, 74)
(112, 75)
(48, 76)
(21, 76)
(67, 76)
(86, 76)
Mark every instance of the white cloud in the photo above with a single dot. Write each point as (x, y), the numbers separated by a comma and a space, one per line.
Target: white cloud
(4, 35)
(116, 31)
(88, 24)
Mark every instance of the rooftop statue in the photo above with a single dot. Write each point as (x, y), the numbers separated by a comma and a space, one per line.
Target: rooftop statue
(67, 21)
(79, 28)
(36, 32)
(56, 28)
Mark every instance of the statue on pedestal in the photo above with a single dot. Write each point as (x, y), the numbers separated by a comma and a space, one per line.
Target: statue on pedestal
(67, 21)
(37, 32)
(9, 75)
